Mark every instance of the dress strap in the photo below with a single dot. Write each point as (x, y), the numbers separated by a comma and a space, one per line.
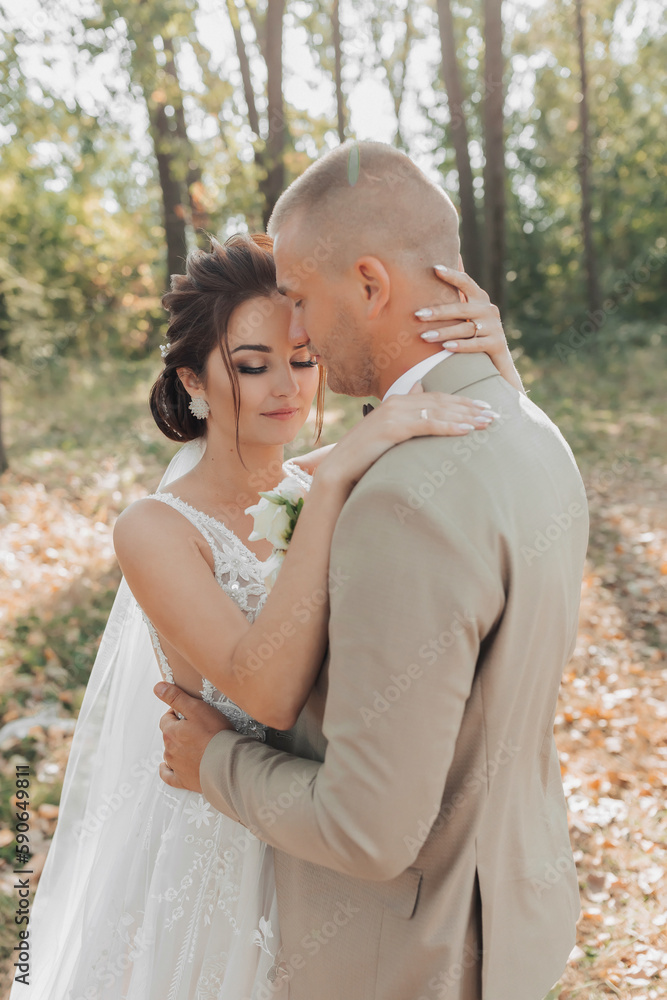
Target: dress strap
(303, 478)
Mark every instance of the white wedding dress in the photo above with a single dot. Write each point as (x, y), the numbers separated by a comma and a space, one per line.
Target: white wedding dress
(179, 901)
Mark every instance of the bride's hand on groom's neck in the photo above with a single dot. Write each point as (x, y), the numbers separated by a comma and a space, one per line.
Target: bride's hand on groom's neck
(186, 739)
(470, 326)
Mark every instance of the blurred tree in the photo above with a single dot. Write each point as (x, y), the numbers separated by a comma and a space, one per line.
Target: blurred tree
(80, 186)
(151, 29)
(626, 71)
(325, 38)
(199, 217)
(272, 46)
(78, 228)
(4, 461)
(494, 153)
(395, 25)
(592, 283)
(269, 156)
(471, 248)
(338, 69)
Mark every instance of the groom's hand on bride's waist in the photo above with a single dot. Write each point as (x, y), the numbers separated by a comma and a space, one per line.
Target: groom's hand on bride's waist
(186, 738)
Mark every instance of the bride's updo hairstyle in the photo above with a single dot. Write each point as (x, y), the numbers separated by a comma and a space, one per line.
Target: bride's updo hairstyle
(200, 305)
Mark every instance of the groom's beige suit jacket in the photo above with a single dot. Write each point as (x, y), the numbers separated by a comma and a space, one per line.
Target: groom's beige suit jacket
(423, 769)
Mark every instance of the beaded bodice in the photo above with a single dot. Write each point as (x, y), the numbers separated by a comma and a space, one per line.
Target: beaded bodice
(240, 573)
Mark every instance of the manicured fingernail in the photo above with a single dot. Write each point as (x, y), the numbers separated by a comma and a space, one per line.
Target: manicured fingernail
(429, 335)
(480, 402)
(424, 313)
(451, 345)
(441, 267)
(490, 413)
(466, 427)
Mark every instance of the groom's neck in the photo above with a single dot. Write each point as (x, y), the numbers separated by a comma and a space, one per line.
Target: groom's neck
(403, 354)
(397, 345)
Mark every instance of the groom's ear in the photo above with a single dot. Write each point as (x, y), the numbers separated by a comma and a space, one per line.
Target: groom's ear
(374, 283)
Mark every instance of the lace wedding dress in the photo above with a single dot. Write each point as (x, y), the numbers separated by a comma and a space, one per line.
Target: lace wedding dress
(182, 904)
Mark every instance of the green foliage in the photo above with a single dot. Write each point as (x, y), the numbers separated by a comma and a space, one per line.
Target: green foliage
(74, 250)
(628, 86)
(82, 253)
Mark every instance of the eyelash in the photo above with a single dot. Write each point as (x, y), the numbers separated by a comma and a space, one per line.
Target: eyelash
(244, 370)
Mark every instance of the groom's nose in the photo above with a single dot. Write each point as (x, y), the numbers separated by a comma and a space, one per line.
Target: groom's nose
(297, 331)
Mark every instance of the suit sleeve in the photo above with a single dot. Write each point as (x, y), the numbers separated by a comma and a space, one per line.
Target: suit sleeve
(413, 602)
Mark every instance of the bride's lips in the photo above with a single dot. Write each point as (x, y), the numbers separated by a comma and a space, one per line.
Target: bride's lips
(286, 414)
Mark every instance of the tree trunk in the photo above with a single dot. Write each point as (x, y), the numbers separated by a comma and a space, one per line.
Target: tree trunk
(338, 73)
(145, 22)
(269, 159)
(494, 153)
(199, 218)
(592, 283)
(471, 250)
(274, 182)
(244, 64)
(4, 461)
(172, 200)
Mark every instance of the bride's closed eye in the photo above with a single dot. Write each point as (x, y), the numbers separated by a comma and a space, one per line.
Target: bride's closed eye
(248, 370)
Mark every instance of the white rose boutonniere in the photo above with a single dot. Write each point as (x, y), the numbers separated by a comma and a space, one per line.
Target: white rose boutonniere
(275, 518)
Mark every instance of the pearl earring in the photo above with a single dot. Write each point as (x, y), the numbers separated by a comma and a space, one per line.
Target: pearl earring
(199, 408)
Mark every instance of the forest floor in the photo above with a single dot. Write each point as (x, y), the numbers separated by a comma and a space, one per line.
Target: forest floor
(82, 446)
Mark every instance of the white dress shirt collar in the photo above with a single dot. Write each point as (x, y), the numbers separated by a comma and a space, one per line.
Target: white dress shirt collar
(409, 378)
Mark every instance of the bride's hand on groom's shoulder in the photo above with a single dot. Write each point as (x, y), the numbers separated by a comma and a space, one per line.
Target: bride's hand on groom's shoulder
(414, 414)
(186, 738)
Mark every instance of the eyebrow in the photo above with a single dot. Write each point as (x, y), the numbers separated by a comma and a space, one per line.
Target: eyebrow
(253, 347)
(264, 348)
(284, 290)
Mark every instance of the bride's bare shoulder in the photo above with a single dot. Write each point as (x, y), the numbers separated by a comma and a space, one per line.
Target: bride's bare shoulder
(145, 521)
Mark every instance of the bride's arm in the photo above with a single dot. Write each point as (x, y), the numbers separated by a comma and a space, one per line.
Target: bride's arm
(313, 459)
(269, 667)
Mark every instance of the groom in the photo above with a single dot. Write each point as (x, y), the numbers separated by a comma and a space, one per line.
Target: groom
(416, 809)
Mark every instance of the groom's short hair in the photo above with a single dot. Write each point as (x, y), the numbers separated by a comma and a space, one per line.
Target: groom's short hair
(375, 192)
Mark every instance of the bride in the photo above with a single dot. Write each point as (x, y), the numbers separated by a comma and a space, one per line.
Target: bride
(148, 893)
